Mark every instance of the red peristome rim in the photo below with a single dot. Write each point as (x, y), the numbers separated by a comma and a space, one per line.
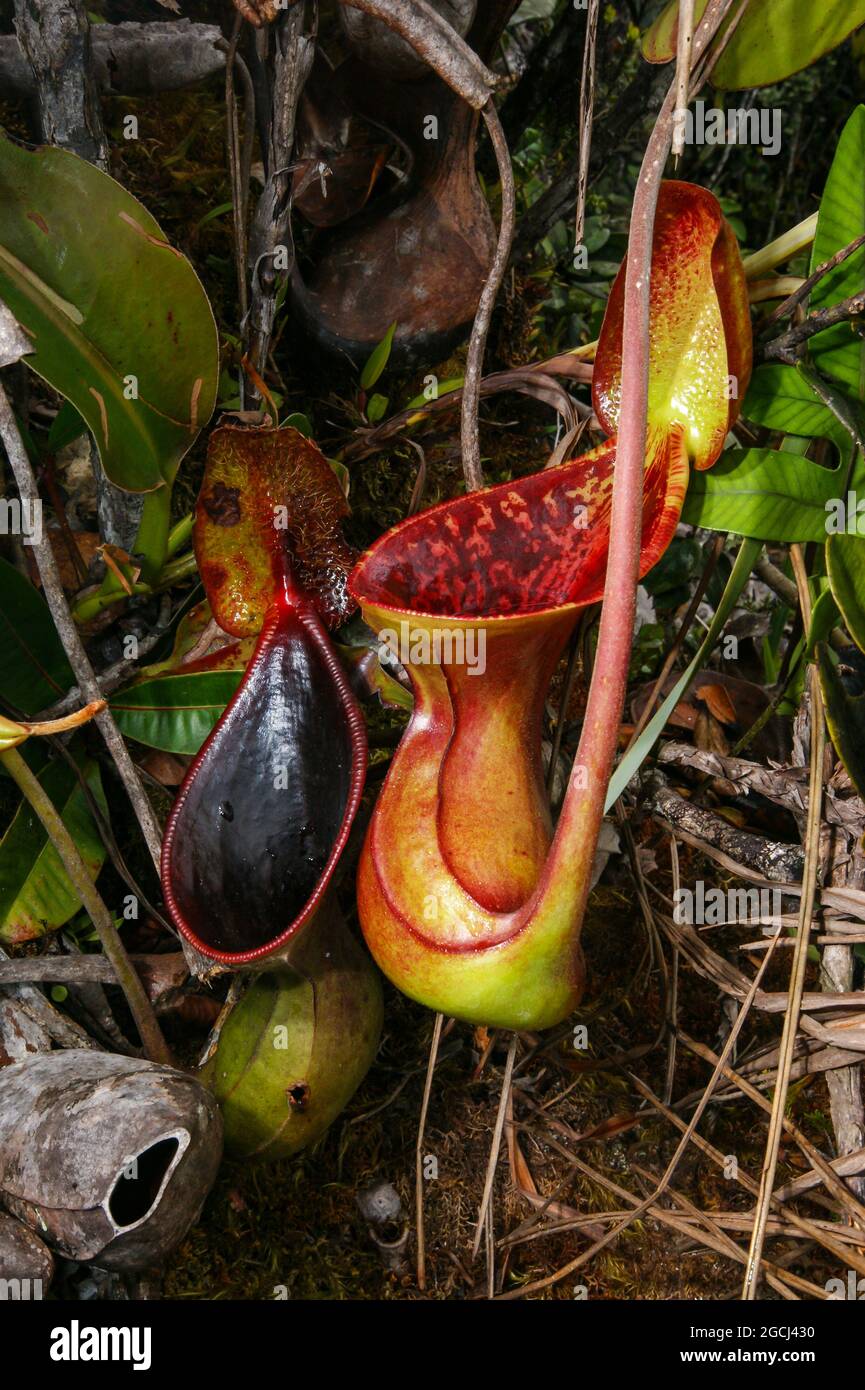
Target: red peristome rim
(357, 735)
(446, 533)
(471, 508)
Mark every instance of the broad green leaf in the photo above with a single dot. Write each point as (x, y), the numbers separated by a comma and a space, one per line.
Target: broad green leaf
(682, 559)
(774, 38)
(845, 563)
(34, 671)
(111, 309)
(35, 892)
(342, 476)
(175, 712)
(377, 360)
(780, 398)
(845, 717)
(770, 495)
(840, 351)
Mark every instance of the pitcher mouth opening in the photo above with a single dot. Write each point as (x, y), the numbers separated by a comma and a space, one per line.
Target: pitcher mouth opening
(140, 1184)
(515, 549)
(521, 549)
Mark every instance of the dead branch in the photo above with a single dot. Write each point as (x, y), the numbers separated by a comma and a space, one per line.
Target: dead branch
(55, 37)
(131, 59)
(785, 786)
(289, 52)
(803, 290)
(790, 345)
(471, 455)
(771, 859)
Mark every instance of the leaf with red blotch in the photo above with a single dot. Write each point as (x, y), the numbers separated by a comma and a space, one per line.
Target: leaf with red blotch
(699, 325)
(269, 505)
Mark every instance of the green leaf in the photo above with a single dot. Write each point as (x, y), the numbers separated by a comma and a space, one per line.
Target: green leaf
(175, 712)
(845, 717)
(839, 350)
(92, 280)
(299, 422)
(11, 734)
(376, 408)
(443, 388)
(683, 558)
(342, 475)
(595, 237)
(218, 211)
(845, 565)
(824, 616)
(774, 38)
(770, 495)
(66, 427)
(780, 398)
(844, 409)
(35, 892)
(377, 360)
(34, 671)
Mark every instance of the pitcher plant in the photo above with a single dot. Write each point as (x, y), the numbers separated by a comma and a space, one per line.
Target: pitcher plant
(469, 901)
(265, 809)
